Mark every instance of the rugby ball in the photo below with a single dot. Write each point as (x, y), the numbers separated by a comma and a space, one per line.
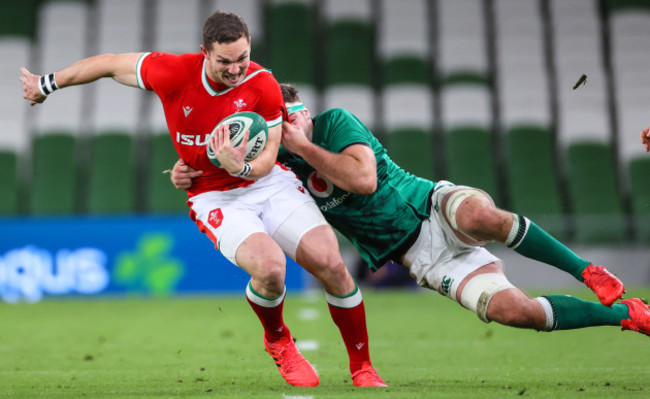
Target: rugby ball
(239, 123)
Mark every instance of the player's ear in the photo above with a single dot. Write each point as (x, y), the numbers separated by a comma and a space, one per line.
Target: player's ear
(205, 52)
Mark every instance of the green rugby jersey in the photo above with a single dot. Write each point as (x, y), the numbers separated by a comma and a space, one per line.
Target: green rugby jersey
(379, 224)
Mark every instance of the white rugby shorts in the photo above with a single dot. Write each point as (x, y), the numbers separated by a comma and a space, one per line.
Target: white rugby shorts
(438, 259)
(276, 204)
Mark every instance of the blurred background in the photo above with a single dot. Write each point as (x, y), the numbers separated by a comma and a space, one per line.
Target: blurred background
(480, 92)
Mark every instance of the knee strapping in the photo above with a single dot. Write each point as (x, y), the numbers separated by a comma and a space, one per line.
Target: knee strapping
(456, 198)
(478, 292)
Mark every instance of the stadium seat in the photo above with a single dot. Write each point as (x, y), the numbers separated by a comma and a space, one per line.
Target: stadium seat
(349, 61)
(465, 98)
(469, 159)
(119, 30)
(630, 56)
(54, 185)
(532, 184)
(18, 18)
(411, 150)
(349, 74)
(111, 180)
(161, 196)
(521, 75)
(291, 42)
(176, 26)
(9, 187)
(462, 44)
(639, 174)
(595, 202)
(63, 38)
(583, 112)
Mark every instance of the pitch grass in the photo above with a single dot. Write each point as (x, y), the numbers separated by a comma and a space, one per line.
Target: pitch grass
(424, 346)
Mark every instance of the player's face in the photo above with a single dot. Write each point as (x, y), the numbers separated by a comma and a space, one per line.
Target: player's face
(228, 62)
(302, 120)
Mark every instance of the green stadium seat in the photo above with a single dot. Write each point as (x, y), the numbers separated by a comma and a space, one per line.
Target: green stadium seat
(54, 174)
(162, 196)
(18, 18)
(111, 184)
(406, 69)
(616, 5)
(532, 185)
(349, 53)
(9, 186)
(291, 46)
(410, 148)
(469, 159)
(595, 202)
(639, 169)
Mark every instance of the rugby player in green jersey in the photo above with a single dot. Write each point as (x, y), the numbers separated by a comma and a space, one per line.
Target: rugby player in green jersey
(437, 229)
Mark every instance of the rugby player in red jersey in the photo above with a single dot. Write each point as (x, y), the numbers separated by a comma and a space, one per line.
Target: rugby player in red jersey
(253, 212)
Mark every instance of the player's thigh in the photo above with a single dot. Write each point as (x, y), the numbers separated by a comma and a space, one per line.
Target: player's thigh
(227, 223)
(290, 216)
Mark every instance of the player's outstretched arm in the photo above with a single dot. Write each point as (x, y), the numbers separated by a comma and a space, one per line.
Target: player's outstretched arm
(645, 138)
(354, 169)
(121, 67)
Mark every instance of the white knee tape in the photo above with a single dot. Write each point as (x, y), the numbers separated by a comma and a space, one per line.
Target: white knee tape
(454, 201)
(478, 292)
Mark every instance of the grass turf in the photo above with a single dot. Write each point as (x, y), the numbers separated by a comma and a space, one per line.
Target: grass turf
(422, 344)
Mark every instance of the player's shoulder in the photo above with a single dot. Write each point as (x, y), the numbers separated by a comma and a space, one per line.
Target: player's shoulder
(181, 62)
(259, 75)
(335, 116)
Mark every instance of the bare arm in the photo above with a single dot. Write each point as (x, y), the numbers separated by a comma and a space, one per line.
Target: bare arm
(354, 169)
(645, 138)
(121, 67)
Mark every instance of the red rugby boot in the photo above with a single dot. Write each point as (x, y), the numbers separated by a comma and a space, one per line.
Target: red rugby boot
(293, 367)
(367, 376)
(639, 320)
(607, 286)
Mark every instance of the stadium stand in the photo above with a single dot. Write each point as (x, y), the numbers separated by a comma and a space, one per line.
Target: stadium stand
(111, 187)
(522, 81)
(406, 95)
(596, 204)
(640, 197)
(349, 64)
(291, 32)
(161, 196)
(532, 186)
(469, 159)
(583, 112)
(119, 29)
(62, 22)
(630, 49)
(54, 184)
(9, 188)
(377, 59)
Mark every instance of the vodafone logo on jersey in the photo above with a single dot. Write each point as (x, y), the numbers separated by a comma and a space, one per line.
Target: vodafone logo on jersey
(215, 218)
(319, 186)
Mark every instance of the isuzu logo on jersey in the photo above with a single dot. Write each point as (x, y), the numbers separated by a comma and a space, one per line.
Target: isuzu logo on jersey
(319, 186)
(192, 139)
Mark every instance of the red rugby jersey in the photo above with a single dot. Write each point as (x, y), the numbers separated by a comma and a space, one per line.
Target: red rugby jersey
(194, 105)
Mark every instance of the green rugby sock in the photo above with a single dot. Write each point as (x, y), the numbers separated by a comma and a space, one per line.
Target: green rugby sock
(565, 312)
(531, 241)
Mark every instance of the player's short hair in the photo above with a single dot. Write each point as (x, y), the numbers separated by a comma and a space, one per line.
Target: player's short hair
(289, 93)
(224, 27)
